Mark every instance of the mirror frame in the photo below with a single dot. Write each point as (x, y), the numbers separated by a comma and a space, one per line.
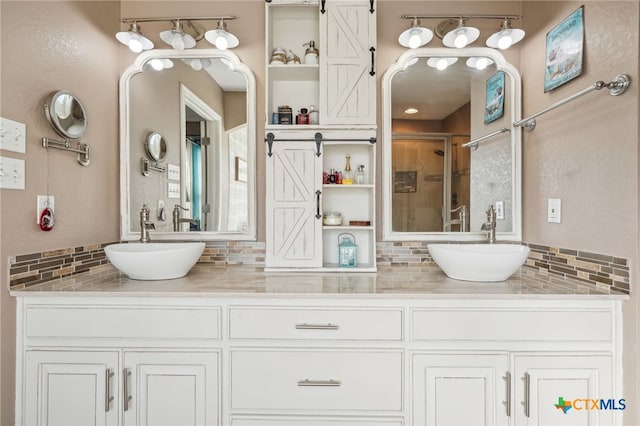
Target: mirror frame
(125, 143)
(54, 120)
(516, 141)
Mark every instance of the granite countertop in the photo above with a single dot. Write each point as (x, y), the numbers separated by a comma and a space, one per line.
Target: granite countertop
(245, 281)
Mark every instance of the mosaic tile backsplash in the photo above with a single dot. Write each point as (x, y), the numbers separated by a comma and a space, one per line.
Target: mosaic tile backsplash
(595, 272)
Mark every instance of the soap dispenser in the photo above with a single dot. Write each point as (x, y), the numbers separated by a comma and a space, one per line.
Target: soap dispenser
(311, 54)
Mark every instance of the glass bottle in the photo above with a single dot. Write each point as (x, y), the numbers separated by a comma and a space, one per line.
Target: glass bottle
(347, 175)
(360, 175)
(313, 115)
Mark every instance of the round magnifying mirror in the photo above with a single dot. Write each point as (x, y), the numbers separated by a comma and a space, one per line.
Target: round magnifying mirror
(156, 146)
(66, 114)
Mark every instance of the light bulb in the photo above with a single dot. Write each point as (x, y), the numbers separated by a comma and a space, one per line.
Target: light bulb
(196, 64)
(221, 42)
(505, 41)
(442, 64)
(414, 40)
(482, 63)
(177, 42)
(461, 39)
(135, 45)
(156, 64)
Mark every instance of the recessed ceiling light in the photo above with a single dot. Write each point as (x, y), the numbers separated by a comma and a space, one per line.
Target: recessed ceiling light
(411, 111)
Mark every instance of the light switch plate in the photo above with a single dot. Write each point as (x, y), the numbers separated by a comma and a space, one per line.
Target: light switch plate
(11, 173)
(499, 210)
(554, 210)
(173, 172)
(12, 135)
(173, 190)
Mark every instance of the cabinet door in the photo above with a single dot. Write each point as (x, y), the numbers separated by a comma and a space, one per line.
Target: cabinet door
(543, 383)
(347, 88)
(70, 388)
(171, 388)
(459, 389)
(293, 197)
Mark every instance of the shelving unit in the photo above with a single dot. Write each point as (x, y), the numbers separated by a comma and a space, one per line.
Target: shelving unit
(296, 197)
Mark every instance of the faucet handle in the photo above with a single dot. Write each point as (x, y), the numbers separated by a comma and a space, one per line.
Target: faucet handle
(177, 208)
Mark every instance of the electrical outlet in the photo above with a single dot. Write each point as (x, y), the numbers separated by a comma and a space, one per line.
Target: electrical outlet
(44, 201)
(500, 210)
(554, 210)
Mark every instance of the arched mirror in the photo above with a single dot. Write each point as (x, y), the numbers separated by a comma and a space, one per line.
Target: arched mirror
(66, 114)
(435, 186)
(202, 104)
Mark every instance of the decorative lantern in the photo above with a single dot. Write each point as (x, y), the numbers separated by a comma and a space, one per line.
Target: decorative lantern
(347, 251)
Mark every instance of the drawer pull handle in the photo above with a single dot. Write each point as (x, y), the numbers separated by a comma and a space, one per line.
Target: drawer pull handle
(108, 398)
(306, 326)
(126, 397)
(331, 382)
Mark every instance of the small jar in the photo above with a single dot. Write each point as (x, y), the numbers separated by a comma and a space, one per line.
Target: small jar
(360, 175)
(314, 116)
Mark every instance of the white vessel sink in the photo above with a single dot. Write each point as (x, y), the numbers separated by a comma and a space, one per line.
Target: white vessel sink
(154, 261)
(479, 262)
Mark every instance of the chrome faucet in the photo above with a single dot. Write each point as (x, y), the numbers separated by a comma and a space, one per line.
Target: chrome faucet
(145, 224)
(490, 225)
(177, 218)
(461, 220)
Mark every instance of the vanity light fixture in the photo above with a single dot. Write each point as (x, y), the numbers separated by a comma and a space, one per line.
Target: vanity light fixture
(441, 64)
(184, 34)
(221, 38)
(506, 36)
(454, 31)
(177, 38)
(198, 63)
(479, 63)
(416, 36)
(134, 39)
(460, 36)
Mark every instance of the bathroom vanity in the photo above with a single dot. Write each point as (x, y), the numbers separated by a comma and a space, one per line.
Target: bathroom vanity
(238, 346)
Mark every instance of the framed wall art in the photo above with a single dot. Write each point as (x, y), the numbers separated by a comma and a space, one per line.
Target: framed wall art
(494, 105)
(564, 51)
(405, 182)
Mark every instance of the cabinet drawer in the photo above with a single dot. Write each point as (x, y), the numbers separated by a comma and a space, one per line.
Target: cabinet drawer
(315, 323)
(512, 325)
(316, 380)
(316, 421)
(123, 322)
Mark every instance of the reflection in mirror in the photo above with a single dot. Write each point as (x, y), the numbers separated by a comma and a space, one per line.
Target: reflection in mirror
(66, 114)
(156, 146)
(206, 114)
(433, 186)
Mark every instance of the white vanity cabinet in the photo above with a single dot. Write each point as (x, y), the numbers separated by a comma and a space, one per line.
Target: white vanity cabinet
(318, 359)
(296, 199)
(71, 387)
(98, 361)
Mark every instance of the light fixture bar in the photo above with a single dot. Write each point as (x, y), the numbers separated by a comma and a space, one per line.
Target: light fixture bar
(199, 18)
(502, 17)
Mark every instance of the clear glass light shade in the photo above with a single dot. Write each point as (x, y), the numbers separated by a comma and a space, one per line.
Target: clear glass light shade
(479, 63)
(416, 36)
(134, 39)
(441, 63)
(505, 38)
(411, 110)
(177, 38)
(461, 37)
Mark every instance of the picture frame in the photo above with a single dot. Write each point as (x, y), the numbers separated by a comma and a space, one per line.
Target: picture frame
(494, 104)
(405, 182)
(564, 51)
(240, 169)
